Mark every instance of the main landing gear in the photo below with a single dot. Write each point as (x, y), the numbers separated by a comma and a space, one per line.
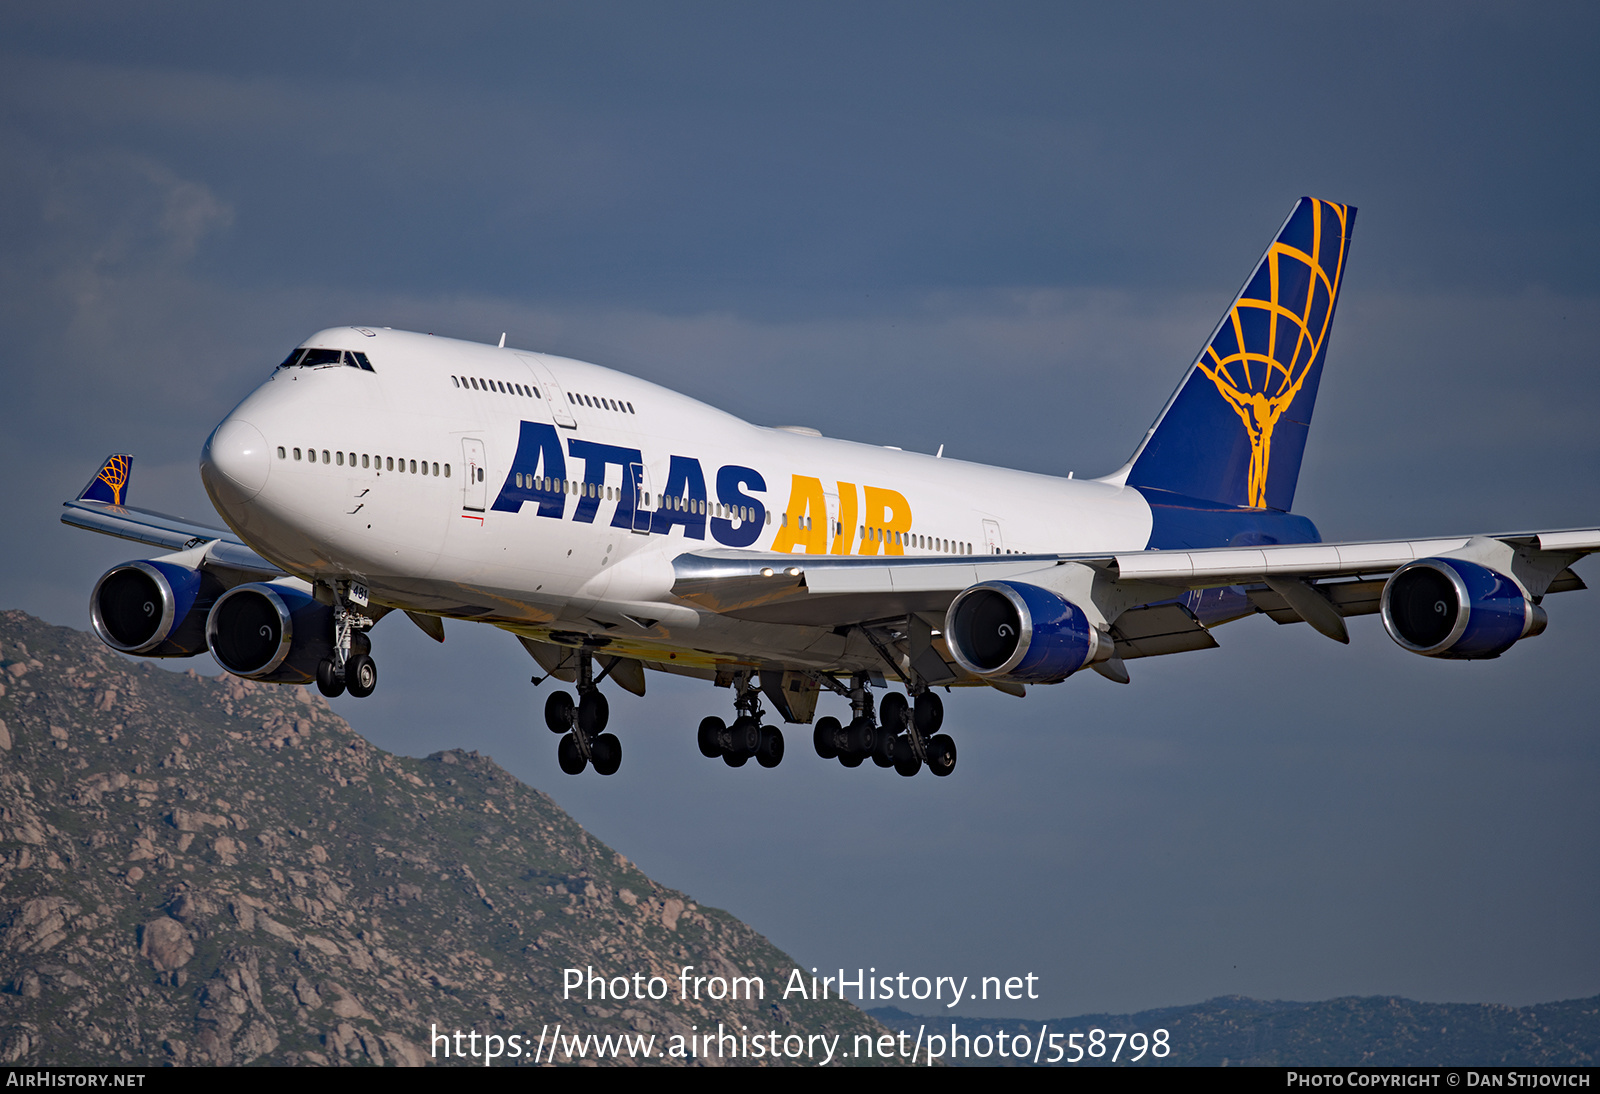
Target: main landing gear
(906, 737)
(351, 666)
(747, 737)
(583, 724)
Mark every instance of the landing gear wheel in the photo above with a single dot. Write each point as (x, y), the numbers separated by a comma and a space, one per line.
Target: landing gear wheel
(942, 755)
(771, 752)
(744, 739)
(593, 713)
(929, 714)
(884, 748)
(892, 712)
(825, 738)
(735, 759)
(860, 738)
(568, 756)
(329, 682)
(850, 759)
(709, 737)
(905, 758)
(607, 752)
(361, 675)
(558, 713)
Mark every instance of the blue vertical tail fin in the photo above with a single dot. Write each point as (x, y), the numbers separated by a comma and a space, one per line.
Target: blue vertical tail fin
(1235, 430)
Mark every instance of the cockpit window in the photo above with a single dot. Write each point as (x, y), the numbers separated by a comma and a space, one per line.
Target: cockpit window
(324, 358)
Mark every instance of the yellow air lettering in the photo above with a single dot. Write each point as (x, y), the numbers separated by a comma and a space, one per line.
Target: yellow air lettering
(888, 512)
(805, 523)
(847, 519)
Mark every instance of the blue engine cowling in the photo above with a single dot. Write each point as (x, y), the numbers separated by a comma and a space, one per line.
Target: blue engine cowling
(1006, 630)
(154, 609)
(1447, 607)
(270, 631)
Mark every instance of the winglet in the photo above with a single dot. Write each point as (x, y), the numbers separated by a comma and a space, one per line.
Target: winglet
(110, 483)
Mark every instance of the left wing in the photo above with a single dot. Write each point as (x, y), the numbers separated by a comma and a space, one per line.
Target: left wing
(99, 508)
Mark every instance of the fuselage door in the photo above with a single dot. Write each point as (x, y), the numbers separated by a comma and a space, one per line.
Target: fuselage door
(554, 397)
(639, 483)
(476, 495)
(991, 535)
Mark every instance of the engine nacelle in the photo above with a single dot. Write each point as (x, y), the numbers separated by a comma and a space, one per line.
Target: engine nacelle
(1447, 607)
(1006, 630)
(154, 609)
(270, 631)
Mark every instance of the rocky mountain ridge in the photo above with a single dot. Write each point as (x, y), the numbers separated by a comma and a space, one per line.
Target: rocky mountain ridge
(197, 870)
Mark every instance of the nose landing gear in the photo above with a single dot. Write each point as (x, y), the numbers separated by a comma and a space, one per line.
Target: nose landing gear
(351, 666)
(583, 724)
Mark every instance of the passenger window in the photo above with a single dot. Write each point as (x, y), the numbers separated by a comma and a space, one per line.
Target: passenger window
(454, 382)
(436, 469)
(341, 459)
(413, 467)
(630, 408)
(447, 471)
(480, 474)
(365, 461)
(281, 453)
(297, 453)
(390, 463)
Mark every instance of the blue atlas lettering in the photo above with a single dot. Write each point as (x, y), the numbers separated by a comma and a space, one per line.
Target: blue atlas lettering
(536, 473)
(732, 482)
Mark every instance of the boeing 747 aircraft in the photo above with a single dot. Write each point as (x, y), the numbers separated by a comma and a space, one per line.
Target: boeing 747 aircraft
(614, 526)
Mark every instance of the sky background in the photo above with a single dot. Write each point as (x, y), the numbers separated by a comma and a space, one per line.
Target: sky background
(1004, 228)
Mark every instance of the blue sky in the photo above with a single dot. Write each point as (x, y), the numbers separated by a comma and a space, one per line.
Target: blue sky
(1002, 228)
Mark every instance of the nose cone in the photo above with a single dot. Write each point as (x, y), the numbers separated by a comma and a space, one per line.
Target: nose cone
(234, 463)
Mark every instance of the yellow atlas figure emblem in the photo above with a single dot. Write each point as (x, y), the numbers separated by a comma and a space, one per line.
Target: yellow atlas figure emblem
(115, 475)
(1276, 340)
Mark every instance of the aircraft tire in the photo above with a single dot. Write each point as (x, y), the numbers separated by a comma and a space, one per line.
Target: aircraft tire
(906, 762)
(771, 751)
(558, 712)
(744, 738)
(361, 675)
(607, 751)
(928, 714)
(892, 712)
(568, 756)
(860, 738)
(825, 738)
(850, 759)
(942, 755)
(328, 680)
(733, 760)
(593, 713)
(709, 737)
(884, 749)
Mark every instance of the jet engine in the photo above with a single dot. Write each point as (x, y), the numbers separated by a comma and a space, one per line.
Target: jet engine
(1447, 607)
(1007, 630)
(154, 609)
(270, 631)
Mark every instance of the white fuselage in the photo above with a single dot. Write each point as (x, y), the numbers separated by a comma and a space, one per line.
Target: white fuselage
(535, 545)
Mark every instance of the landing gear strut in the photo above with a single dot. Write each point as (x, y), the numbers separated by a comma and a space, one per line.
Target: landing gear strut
(583, 724)
(351, 666)
(747, 737)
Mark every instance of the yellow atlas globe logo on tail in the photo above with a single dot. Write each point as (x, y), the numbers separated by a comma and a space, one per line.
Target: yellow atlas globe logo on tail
(1276, 332)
